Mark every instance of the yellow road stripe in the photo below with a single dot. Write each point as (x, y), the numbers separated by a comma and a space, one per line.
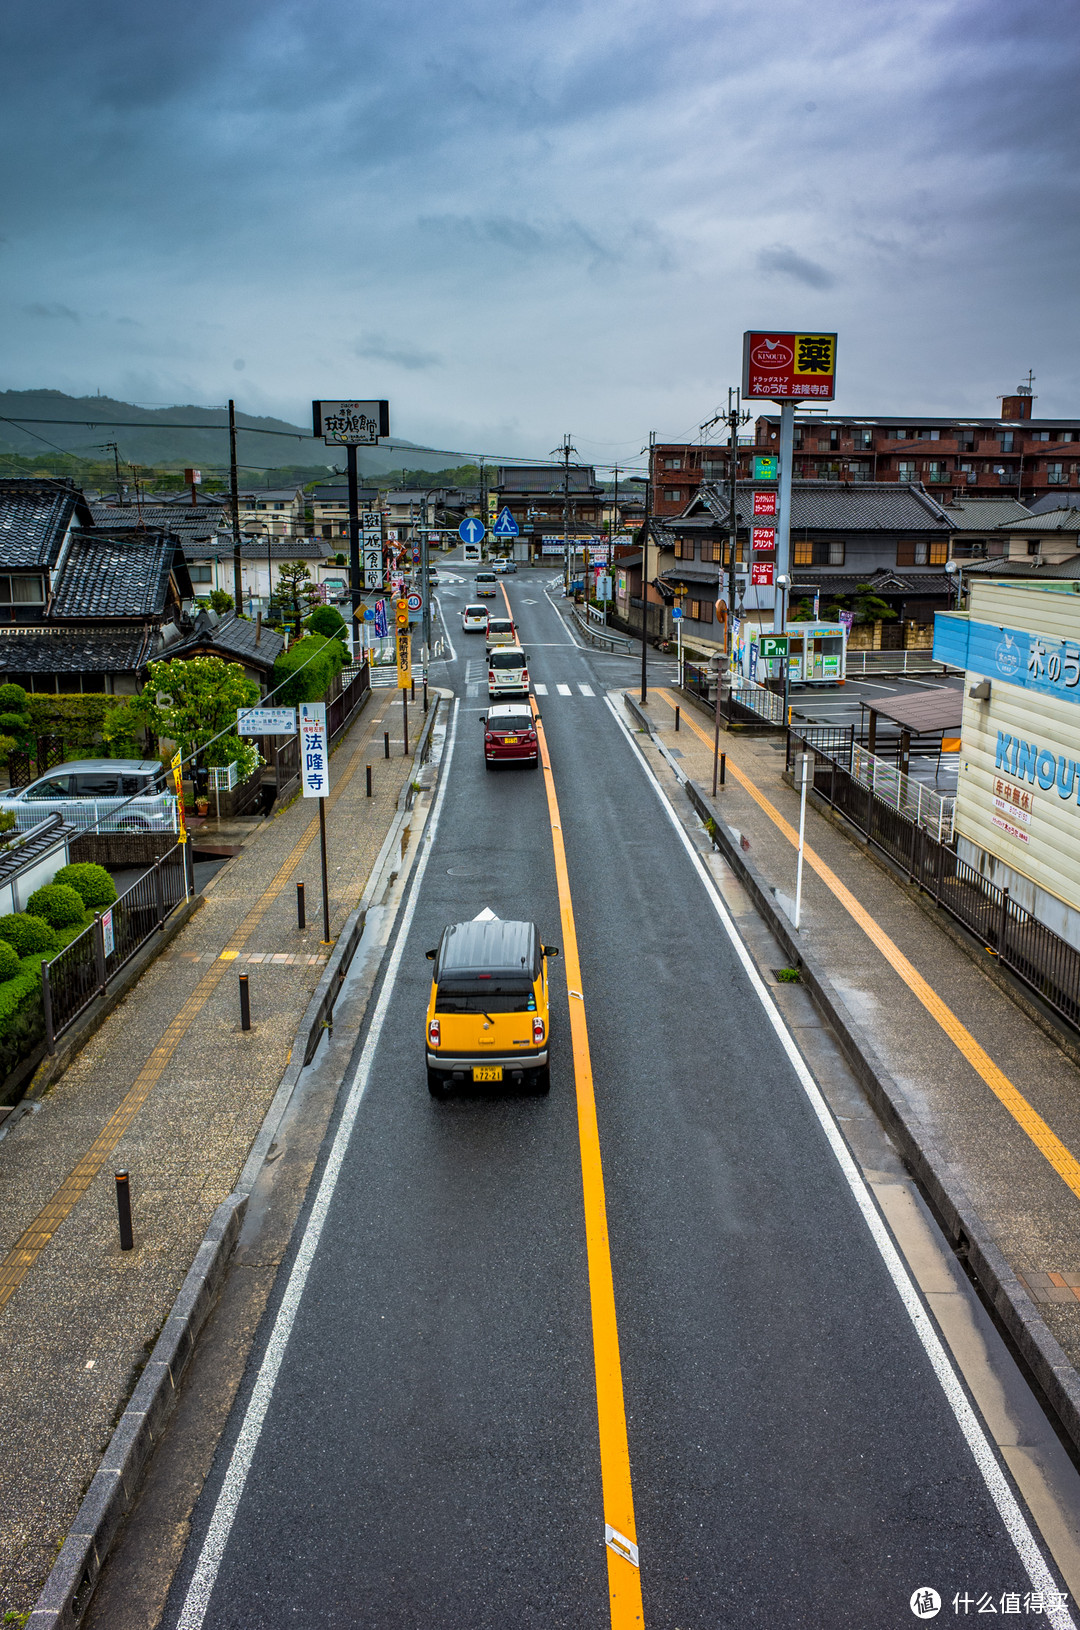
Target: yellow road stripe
(1046, 1141)
(17, 1263)
(624, 1579)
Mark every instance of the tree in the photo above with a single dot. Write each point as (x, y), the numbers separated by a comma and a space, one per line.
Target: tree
(295, 592)
(328, 621)
(191, 702)
(866, 605)
(220, 601)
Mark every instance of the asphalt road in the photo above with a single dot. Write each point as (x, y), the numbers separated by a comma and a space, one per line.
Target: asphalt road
(428, 1453)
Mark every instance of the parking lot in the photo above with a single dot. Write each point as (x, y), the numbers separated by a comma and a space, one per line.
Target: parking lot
(840, 705)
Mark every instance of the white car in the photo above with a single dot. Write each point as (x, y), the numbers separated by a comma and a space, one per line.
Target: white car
(508, 673)
(474, 619)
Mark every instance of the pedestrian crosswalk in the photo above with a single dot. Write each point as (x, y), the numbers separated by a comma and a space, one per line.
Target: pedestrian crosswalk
(563, 690)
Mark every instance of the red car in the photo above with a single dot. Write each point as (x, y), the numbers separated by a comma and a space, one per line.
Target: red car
(510, 735)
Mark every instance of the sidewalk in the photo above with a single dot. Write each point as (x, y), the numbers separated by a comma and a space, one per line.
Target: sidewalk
(997, 1098)
(171, 1089)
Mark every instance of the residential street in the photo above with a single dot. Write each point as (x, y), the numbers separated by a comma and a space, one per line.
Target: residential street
(416, 1439)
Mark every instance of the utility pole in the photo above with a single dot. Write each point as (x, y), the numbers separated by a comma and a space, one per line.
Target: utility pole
(564, 450)
(645, 572)
(356, 592)
(735, 417)
(234, 489)
(111, 447)
(483, 507)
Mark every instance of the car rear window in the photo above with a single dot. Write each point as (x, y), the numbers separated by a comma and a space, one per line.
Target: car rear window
(500, 625)
(485, 577)
(506, 659)
(510, 721)
(498, 994)
(476, 611)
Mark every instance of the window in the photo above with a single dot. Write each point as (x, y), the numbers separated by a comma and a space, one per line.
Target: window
(673, 464)
(1033, 546)
(21, 591)
(1068, 435)
(818, 552)
(862, 438)
(901, 435)
(1006, 441)
(965, 440)
(935, 435)
(712, 549)
(797, 438)
(701, 611)
(906, 469)
(713, 470)
(684, 548)
(674, 495)
(201, 574)
(1055, 474)
(922, 552)
(1039, 435)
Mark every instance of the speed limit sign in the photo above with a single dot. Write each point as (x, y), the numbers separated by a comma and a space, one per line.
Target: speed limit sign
(415, 602)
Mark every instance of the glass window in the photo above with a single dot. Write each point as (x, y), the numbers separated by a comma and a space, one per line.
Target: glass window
(21, 591)
(803, 552)
(906, 469)
(58, 786)
(99, 784)
(935, 435)
(674, 495)
(673, 464)
(1006, 441)
(201, 574)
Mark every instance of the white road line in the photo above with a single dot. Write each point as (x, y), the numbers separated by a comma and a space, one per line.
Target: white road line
(564, 690)
(445, 628)
(539, 690)
(1008, 1507)
(199, 1591)
(586, 690)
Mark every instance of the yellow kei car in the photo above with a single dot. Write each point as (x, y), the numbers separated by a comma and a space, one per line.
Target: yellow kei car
(487, 1018)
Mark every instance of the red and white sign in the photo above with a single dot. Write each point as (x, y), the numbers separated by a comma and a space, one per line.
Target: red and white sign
(764, 503)
(762, 537)
(797, 367)
(761, 573)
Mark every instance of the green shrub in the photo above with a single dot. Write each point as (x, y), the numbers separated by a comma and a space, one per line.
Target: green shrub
(29, 935)
(22, 1019)
(92, 883)
(318, 658)
(12, 699)
(327, 621)
(9, 961)
(60, 906)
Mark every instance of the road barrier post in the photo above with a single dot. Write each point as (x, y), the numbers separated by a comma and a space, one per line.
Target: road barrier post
(123, 1210)
(245, 1003)
(301, 909)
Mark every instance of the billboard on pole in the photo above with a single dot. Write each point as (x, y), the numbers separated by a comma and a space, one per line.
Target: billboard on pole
(792, 366)
(357, 423)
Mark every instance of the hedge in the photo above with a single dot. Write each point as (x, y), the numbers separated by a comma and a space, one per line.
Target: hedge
(60, 906)
(328, 621)
(319, 658)
(9, 961)
(22, 1017)
(29, 934)
(77, 718)
(91, 883)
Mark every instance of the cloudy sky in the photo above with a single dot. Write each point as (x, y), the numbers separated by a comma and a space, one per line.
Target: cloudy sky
(516, 218)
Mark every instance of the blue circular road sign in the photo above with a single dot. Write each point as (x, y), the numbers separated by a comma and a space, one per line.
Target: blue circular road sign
(472, 530)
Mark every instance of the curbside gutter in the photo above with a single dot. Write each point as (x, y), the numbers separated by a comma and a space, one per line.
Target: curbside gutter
(74, 1576)
(919, 1149)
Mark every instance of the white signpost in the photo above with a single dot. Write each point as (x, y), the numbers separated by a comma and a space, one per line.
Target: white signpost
(315, 773)
(266, 721)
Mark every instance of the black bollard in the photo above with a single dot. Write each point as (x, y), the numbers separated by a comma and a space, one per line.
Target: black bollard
(301, 911)
(245, 1003)
(369, 780)
(723, 767)
(676, 719)
(123, 1210)
(386, 743)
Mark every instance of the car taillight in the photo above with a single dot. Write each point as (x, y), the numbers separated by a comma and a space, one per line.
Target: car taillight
(434, 1031)
(491, 673)
(524, 676)
(538, 1030)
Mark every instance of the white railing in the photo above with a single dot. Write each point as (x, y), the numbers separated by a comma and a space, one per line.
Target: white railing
(154, 814)
(911, 798)
(893, 662)
(749, 694)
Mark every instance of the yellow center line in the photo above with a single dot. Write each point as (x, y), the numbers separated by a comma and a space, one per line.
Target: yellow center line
(624, 1577)
(1045, 1140)
(18, 1261)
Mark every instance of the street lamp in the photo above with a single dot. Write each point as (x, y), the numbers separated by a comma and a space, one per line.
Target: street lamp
(783, 583)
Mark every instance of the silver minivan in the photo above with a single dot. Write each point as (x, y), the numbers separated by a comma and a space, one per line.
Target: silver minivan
(90, 790)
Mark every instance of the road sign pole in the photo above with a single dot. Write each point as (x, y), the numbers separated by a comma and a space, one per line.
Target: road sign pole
(783, 515)
(804, 776)
(325, 890)
(425, 590)
(355, 577)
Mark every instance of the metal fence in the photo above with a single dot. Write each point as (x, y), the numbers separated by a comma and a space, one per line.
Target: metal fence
(1045, 962)
(696, 681)
(893, 662)
(910, 798)
(767, 706)
(83, 969)
(155, 814)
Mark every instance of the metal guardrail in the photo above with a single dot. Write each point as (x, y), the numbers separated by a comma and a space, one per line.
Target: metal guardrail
(913, 799)
(153, 814)
(602, 637)
(768, 705)
(1041, 959)
(893, 662)
(81, 972)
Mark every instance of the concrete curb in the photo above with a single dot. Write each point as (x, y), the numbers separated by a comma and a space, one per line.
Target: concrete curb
(74, 1575)
(918, 1148)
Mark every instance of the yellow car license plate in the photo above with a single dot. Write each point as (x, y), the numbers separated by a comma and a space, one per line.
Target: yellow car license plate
(487, 1072)
(509, 741)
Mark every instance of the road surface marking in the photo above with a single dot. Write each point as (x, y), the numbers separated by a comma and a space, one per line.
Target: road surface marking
(624, 1579)
(1046, 1141)
(541, 690)
(1013, 1518)
(197, 1599)
(17, 1263)
(564, 690)
(586, 690)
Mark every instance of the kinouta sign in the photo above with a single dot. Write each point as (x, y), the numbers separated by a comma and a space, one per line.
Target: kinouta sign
(793, 366)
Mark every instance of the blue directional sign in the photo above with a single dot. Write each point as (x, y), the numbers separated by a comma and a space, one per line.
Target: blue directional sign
(505, 526)
(472, 530)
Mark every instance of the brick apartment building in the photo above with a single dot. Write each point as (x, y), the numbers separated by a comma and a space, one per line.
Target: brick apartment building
(1013, 456)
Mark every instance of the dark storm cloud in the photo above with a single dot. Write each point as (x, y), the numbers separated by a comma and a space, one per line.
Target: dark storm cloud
(780, 260)
(607, 194)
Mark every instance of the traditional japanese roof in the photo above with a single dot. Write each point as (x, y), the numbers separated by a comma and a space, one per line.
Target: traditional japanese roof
(116, 575)
(85, 651)
(840, 506)
(1067, 568)
(1056, 500)
(547, 479)
(233, 639)
(34, 521)
(980, 514)
(1051, 520)
(194, 521)
(883, 581)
